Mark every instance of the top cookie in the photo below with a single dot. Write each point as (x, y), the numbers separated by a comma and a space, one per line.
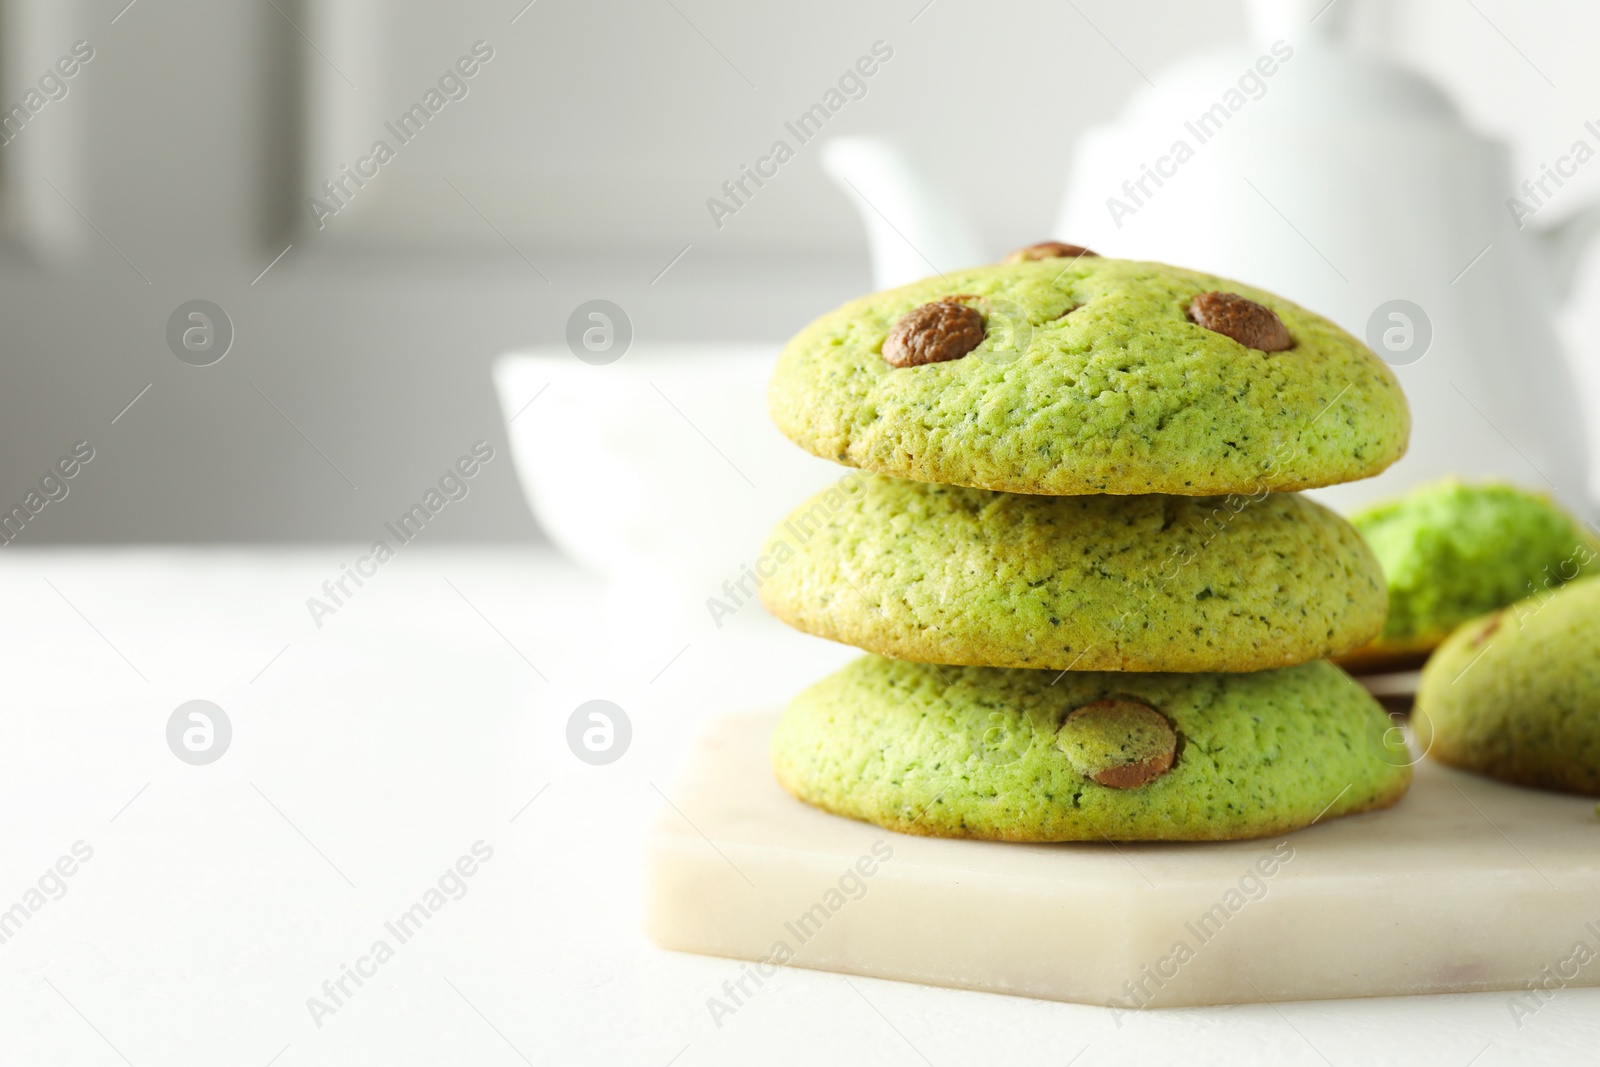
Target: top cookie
(1068, 376)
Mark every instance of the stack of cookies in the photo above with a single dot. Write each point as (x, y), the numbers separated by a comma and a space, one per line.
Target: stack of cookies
(1094, 606)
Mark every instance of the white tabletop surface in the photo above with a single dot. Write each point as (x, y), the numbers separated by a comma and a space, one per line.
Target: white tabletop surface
(369, 755)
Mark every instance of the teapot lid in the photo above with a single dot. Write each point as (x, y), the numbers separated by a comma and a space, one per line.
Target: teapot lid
(1315, 74)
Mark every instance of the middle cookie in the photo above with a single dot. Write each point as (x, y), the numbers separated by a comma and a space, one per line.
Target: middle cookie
(943, 574)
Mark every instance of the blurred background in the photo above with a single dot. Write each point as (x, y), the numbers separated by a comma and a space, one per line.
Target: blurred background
(575, 163)
(236, 322)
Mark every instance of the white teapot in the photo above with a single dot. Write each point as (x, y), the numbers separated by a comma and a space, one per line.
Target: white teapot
(1344, 183)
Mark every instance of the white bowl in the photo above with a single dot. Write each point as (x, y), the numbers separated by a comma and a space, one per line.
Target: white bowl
(661, 465)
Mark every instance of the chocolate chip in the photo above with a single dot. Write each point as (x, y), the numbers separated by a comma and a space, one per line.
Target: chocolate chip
(1048, 250)
(934, 333)
(1119, 743)
(1243, 320)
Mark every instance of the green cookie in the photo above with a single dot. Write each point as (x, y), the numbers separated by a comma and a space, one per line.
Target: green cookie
(1516, 695)
(1091, 377)
(1025, 755)
(1451, 551)
(942, 574)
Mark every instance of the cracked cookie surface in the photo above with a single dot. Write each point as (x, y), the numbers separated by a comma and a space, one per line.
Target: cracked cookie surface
(942, 574)
(1092, 378)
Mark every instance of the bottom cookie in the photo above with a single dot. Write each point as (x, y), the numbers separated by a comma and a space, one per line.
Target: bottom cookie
(1012, 754)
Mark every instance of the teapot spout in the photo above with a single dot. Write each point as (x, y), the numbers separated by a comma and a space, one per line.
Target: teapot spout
(915, 226)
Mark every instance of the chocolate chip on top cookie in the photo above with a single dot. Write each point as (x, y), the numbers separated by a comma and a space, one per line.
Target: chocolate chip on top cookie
(934, 333)
(1243, 320)
(1048, 250)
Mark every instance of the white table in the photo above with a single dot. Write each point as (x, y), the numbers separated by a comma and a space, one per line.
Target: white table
(369, 754)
